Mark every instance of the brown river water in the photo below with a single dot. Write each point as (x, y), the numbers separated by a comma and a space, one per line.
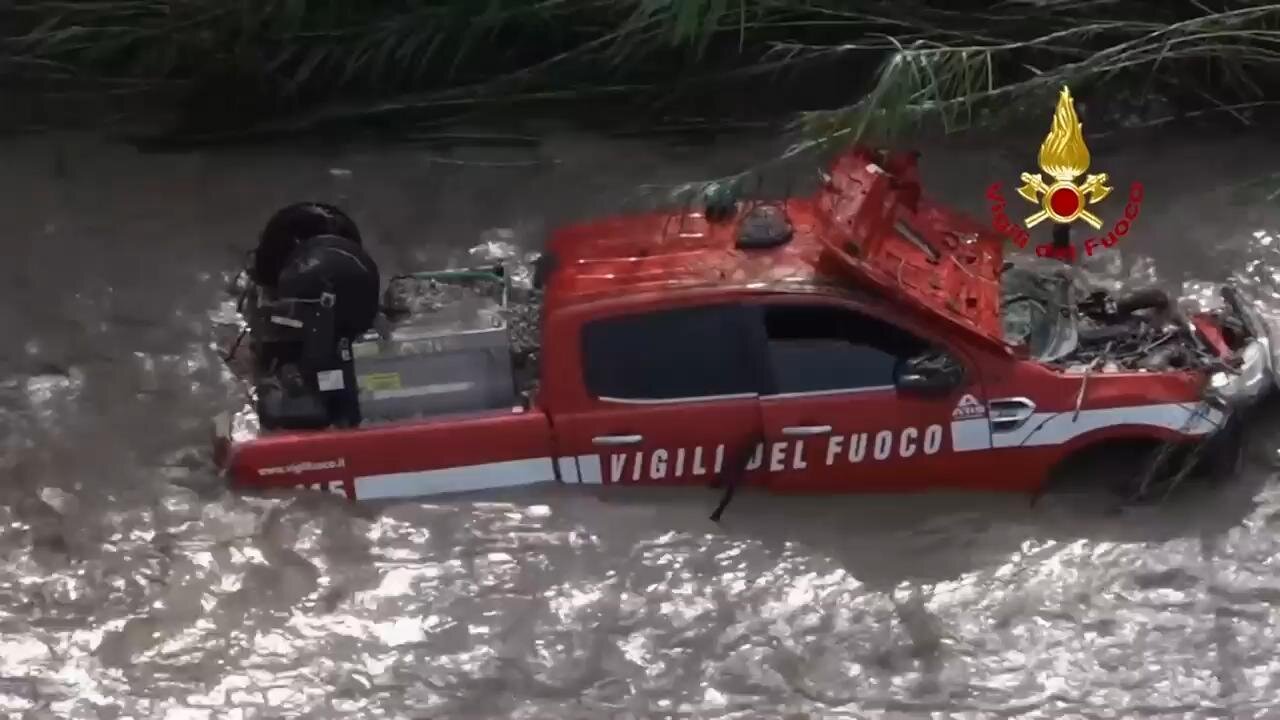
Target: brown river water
(133, 585)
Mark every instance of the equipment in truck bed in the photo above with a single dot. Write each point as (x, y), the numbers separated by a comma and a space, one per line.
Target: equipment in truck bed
(443, 347)
(326, 352)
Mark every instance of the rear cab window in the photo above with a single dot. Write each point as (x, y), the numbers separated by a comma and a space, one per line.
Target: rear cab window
(670, 355)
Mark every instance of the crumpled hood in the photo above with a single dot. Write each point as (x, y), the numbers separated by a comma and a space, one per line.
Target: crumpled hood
(881, 231)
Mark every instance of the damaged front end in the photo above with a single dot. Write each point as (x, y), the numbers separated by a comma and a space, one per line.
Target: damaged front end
(1071, 321)
(1255, 361)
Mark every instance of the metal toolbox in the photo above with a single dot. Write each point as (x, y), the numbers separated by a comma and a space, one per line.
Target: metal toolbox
(443, 348)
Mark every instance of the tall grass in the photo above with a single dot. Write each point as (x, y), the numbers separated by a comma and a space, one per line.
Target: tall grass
(879, 65)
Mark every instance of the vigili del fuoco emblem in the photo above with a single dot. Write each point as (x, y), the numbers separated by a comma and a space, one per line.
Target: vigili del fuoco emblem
(1064, 157)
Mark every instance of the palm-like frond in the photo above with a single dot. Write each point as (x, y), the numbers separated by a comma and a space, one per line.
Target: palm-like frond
(899, 61)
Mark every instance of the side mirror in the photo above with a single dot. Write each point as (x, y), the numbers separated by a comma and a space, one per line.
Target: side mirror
(932, 371)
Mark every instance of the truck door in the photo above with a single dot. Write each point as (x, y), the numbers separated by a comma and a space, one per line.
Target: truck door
(838, 415)
(669, 397)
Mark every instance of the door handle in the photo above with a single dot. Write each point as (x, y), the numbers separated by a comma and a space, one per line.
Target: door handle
(616, 439)
(806, 430)
(1010, 413)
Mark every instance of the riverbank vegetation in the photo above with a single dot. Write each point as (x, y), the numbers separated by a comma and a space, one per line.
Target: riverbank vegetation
(839, 69)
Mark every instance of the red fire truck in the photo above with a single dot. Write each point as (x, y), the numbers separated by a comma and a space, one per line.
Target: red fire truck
(863, 338)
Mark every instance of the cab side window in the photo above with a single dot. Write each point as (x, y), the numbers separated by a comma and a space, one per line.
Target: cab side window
(813, 348)
(673, 354)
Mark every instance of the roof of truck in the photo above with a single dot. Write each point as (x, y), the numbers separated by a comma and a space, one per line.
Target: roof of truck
(637, 253)
(641, 253)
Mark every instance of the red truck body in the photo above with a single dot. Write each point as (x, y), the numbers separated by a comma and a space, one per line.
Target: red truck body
(672, 355)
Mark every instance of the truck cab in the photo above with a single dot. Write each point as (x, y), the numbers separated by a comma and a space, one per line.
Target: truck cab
(809, 389)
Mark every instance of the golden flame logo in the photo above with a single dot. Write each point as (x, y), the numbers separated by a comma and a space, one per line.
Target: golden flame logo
(1063, 154)
(1064, 157)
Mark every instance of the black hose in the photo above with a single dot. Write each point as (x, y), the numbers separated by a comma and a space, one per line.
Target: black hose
(1144, 299)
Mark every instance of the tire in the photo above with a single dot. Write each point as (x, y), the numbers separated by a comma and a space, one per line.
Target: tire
(1145, 471)
(1216, 461)
(1117, 468)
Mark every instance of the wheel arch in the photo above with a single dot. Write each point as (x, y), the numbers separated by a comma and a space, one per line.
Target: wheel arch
(1113, 455)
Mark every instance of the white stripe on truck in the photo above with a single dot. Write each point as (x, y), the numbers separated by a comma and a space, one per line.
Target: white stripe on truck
(1058, 428)
(486, 476)
(568, 469)
(968, 435)
(1053, 428)
(590, 470)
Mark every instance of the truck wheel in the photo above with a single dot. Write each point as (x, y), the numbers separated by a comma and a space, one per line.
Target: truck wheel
(1163, 467)
(1219, 459)
(1118, 468)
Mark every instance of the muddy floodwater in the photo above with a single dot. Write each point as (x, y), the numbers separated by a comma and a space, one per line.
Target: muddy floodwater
(132, 585)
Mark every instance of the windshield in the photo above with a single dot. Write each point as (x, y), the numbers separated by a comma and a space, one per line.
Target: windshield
(1035, 300)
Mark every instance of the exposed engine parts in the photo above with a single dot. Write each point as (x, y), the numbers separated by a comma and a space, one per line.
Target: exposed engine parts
(1142, 330)
(1073, 325)
(1133, 331)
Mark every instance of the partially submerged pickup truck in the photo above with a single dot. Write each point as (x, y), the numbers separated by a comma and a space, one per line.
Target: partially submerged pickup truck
(864, 338)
